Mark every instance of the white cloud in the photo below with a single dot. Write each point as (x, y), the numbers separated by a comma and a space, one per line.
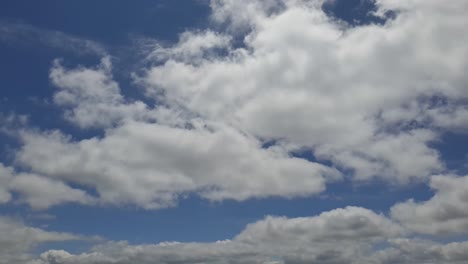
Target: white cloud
(17, 240)
(338, 236)
(349, 235)
(351, 223)
(323, 86)
(445, 213)
(42, 193)
(92, 98)
(192, 47)
(409, 251)
(453, 117)
(241, 16)
(399, 251)
(37, 191)
(151, 164)
(361, 98)
(26, 34)
(368, 99)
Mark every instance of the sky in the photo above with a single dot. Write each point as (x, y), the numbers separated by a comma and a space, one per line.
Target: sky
(224, 131)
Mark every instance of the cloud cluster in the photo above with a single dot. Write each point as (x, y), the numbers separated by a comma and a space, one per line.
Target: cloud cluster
(363, 97)
(150, 165)
(348, 235)
(369, 100)
(224, 120)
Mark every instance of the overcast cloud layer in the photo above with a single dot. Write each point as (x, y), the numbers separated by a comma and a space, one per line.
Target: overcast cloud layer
(223, 120)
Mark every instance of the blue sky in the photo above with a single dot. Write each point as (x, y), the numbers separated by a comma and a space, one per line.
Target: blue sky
(336, 127)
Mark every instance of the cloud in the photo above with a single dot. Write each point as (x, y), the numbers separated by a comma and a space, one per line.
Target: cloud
(225, 120)
(151, 165)
(422, 251)
(42, 193)
(193, 47)
(331, 237)
(445, 213)
(348, 235)
(350, 223)
(37, 191)
(17, 240)
(343, 92)
(241, 17)
(25, 34)
(5, 177)
(91, 97)
(369, 100)
(399, 251)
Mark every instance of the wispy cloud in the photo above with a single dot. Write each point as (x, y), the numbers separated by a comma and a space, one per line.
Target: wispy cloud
(26, 34)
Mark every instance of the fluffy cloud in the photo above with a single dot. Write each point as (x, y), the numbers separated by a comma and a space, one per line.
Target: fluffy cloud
(421, 251)
(369, 100)
(445, 213)
(349, 235)
(37, 191)
(41, 192)
(17, 239)
(151, 164)
(338, 236)
(241, 17)
(341, 91)
(227, 119)
(351, 223)
(91, 97)
(397, 251)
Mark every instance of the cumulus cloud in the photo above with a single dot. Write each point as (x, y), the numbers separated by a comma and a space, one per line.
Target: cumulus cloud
(223, 120)
(37, 191)
(91, 97)
(397, 251)
(341, 91)
(369, 100)
(348, 235)
(41, 192)
(242, 17)
(151, 164)
(421, 251)
(338, 236)
(445, 213)
(351, 223)
(17, 239)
